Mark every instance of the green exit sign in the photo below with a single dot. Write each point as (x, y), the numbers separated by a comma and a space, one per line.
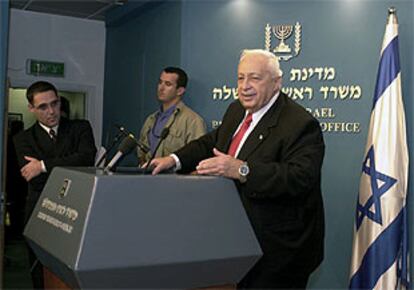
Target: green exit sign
(45, 68)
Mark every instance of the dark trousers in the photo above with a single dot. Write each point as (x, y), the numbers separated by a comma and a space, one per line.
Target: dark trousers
(262, 277)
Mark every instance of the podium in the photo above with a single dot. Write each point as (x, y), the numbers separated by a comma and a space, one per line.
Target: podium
(94, 230)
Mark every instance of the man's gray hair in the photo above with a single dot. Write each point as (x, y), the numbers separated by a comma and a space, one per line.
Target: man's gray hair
(274, 66)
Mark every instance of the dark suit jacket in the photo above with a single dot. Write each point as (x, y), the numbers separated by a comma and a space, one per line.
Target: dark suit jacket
(75, 146)
(282, 195)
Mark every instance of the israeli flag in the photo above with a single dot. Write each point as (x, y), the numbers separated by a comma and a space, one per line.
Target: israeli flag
(380, 248)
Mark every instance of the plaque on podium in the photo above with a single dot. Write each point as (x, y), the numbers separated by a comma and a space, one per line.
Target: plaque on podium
(95, 230)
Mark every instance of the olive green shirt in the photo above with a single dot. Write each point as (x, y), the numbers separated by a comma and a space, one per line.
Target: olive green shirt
(187, 126)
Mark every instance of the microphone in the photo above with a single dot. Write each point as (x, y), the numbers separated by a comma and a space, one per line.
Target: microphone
(164, 134)
(101, 161)
(122, 130)
(127, 133)
(126, 146)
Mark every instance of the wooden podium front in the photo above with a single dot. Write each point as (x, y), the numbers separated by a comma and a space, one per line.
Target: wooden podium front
(54, 282)
(51, 281)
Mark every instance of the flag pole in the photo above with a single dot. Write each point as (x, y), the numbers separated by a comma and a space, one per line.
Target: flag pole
(392, 16)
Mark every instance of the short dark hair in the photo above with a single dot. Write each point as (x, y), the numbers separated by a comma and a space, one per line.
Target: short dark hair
(182, 76)
(39, 87)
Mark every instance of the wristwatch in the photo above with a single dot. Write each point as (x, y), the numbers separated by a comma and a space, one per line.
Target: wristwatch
(243, 172)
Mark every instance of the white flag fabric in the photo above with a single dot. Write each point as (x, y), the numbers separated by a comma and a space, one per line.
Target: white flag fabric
(380, 247)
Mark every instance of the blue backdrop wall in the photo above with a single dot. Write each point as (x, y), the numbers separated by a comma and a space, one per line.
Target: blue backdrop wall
(334, 54)
(138, 45)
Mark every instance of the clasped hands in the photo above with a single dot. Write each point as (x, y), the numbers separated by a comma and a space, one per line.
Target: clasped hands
(32, 169)
(220, 165)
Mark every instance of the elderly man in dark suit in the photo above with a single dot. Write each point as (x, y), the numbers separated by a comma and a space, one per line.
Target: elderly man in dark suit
(273, 149)
(51, 141)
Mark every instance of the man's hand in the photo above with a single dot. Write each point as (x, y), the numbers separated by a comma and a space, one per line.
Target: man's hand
(161, 164)
(221, 164)
(31, 169)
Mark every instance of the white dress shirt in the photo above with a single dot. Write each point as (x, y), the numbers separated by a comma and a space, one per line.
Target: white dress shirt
(256, 117)
(47, 129)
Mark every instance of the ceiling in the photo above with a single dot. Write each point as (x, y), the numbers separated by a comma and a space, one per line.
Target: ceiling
(87, 9)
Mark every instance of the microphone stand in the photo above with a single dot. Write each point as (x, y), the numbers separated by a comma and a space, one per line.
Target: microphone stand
(164, 134)
(140, 145)
(114, 141)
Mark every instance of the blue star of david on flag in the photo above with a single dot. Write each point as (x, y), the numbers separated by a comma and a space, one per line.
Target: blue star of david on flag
(377, 190)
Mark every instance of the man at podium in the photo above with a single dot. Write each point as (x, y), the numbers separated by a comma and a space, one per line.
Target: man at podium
(273, 149)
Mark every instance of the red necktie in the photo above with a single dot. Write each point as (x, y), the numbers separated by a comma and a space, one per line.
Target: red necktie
(239, 135)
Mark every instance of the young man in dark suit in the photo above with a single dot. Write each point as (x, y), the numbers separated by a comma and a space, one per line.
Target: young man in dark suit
(273, 149)
(51, 141)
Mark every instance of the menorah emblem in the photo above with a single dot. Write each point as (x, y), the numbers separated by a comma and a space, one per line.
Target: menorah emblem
(282, 32)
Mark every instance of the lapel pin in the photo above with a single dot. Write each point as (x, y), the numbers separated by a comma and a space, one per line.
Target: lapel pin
(260, 137)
